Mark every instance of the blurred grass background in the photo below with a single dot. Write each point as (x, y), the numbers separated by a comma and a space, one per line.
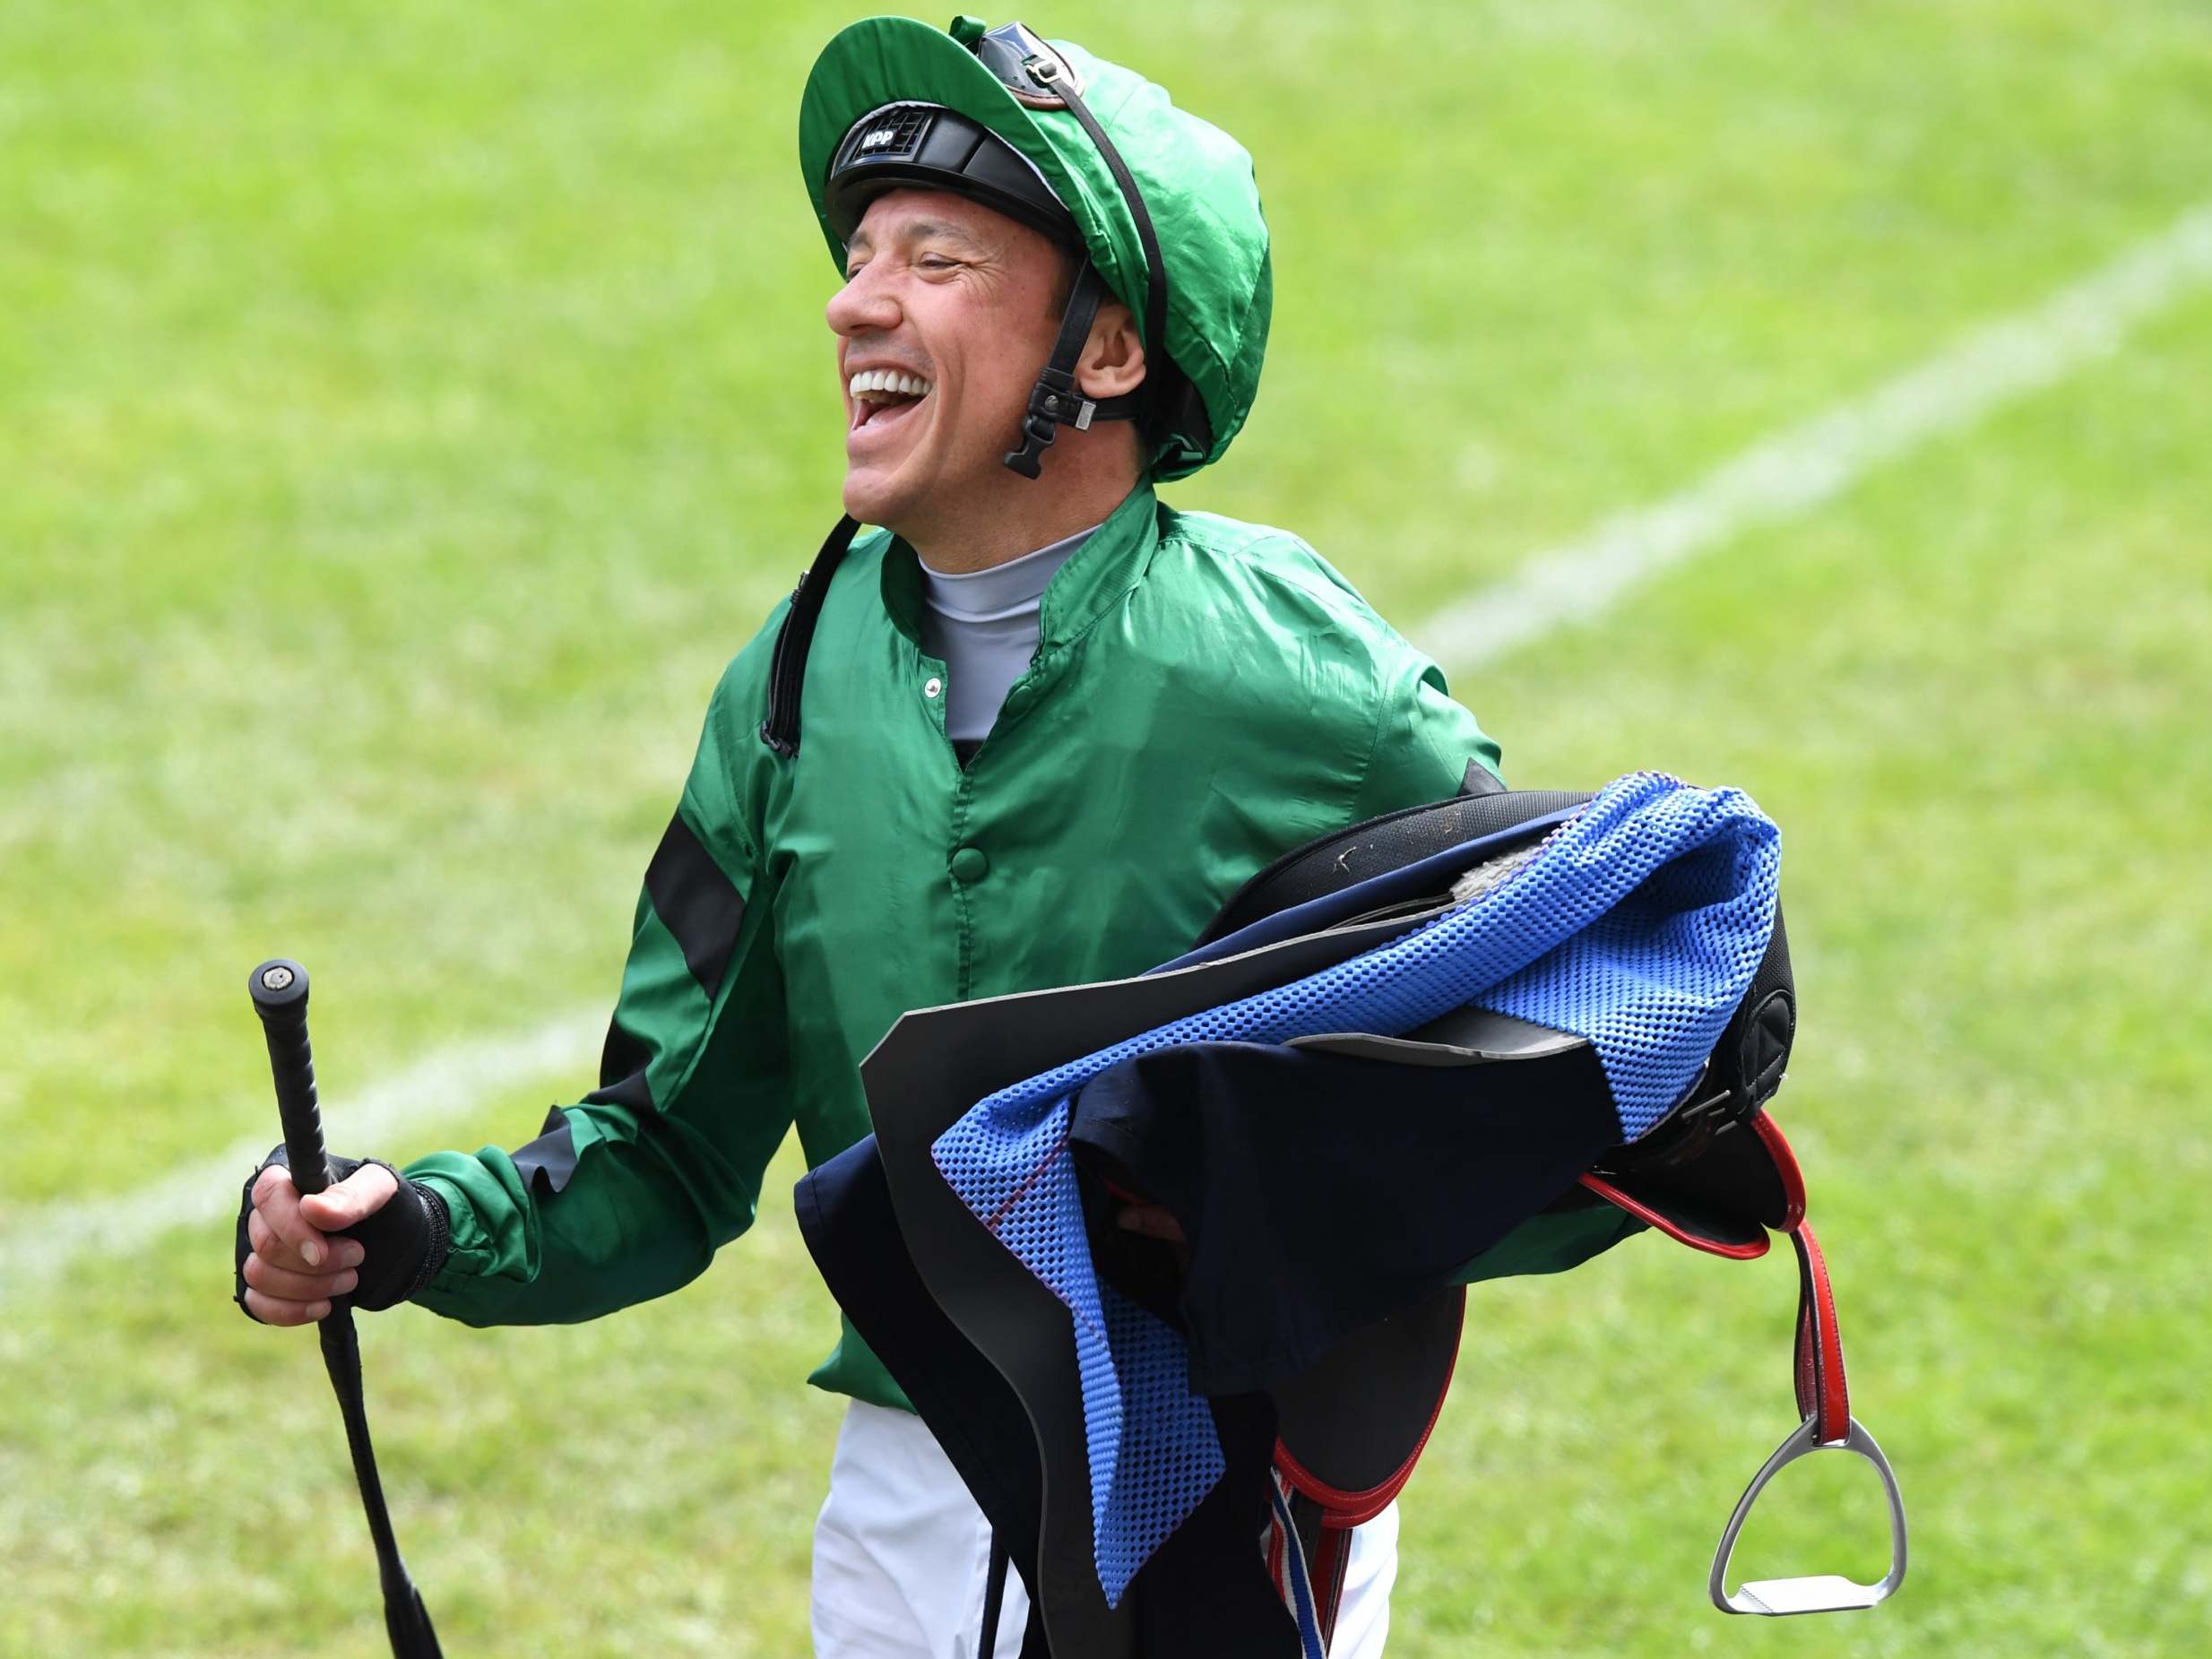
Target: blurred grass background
(404, 413)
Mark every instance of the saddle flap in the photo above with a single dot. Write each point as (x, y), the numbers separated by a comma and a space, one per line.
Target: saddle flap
(1716, 1183)
(1350, 1428)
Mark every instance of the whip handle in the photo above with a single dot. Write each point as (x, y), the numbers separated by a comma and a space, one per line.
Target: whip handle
(278, 988)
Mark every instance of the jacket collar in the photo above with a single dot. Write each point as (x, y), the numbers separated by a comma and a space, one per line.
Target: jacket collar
(1097, 576)
(1104, 570)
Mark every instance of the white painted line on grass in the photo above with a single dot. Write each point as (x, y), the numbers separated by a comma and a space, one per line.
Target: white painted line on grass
(1784, 478)
(42, 1241)
(1789, 475)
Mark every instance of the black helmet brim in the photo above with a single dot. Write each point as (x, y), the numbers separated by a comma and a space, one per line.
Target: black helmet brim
(931, 147)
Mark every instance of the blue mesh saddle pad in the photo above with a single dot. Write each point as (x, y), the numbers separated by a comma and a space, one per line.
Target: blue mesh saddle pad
(1636, 925)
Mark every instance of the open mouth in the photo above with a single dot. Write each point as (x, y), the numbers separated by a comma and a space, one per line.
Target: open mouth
(881, 397)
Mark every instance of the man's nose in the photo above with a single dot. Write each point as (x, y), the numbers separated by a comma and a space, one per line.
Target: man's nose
(863, 304)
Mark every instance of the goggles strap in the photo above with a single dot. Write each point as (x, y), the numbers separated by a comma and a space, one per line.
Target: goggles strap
(1047, 73)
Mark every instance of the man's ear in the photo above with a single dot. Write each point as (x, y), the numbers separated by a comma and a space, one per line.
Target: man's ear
(1112, 360)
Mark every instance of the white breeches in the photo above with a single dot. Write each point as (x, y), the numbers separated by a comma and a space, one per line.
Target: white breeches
(902, 1553)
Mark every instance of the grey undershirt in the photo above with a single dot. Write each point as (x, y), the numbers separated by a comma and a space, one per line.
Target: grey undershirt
(982, 625)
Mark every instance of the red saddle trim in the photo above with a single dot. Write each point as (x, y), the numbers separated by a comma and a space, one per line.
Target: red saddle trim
(1749, 1249)
(1343, 1510)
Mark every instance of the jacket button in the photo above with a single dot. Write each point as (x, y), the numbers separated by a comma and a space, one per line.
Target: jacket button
(931, 687)
(969, 865)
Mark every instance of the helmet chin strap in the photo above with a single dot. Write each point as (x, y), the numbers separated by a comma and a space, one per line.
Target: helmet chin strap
(1055, 401)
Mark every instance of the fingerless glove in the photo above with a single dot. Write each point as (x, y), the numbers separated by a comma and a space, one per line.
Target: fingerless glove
(402, 1245)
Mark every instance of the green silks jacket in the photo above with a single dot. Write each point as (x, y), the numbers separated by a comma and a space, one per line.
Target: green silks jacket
(1205, 695)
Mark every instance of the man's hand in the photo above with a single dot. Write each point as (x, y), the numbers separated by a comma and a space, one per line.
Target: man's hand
(294, 1267)
(371, 1237)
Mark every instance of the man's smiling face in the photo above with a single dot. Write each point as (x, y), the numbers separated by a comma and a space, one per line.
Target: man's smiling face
(947, 311)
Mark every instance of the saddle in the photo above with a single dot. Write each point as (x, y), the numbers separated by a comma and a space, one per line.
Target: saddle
(1297, 1444)
(1714, 1174)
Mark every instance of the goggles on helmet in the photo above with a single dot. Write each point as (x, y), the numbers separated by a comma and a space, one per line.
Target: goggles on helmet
(1013, 53)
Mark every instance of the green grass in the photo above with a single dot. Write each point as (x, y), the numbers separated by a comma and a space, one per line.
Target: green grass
(404, 413)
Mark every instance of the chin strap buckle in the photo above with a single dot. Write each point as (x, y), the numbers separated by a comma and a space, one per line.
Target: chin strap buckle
(1053, 403)
(1056, 401)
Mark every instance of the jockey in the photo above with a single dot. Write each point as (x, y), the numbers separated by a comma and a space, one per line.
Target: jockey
(1049, 724)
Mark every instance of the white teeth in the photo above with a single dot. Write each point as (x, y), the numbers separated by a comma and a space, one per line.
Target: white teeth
(887, 380)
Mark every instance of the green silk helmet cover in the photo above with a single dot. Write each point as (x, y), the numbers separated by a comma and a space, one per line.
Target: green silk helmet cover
(1196, 182)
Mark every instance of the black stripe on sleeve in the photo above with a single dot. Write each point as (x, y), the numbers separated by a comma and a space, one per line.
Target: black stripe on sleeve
(630, 1091)
(622, 1071)
(552, 1155)
(697, 903)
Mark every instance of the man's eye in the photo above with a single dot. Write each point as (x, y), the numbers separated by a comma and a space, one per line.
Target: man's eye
(935, 263)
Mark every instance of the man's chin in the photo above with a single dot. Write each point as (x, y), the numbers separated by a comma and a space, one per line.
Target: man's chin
(917, 491)
(874, 496)
(887, 472)
(903, 496)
